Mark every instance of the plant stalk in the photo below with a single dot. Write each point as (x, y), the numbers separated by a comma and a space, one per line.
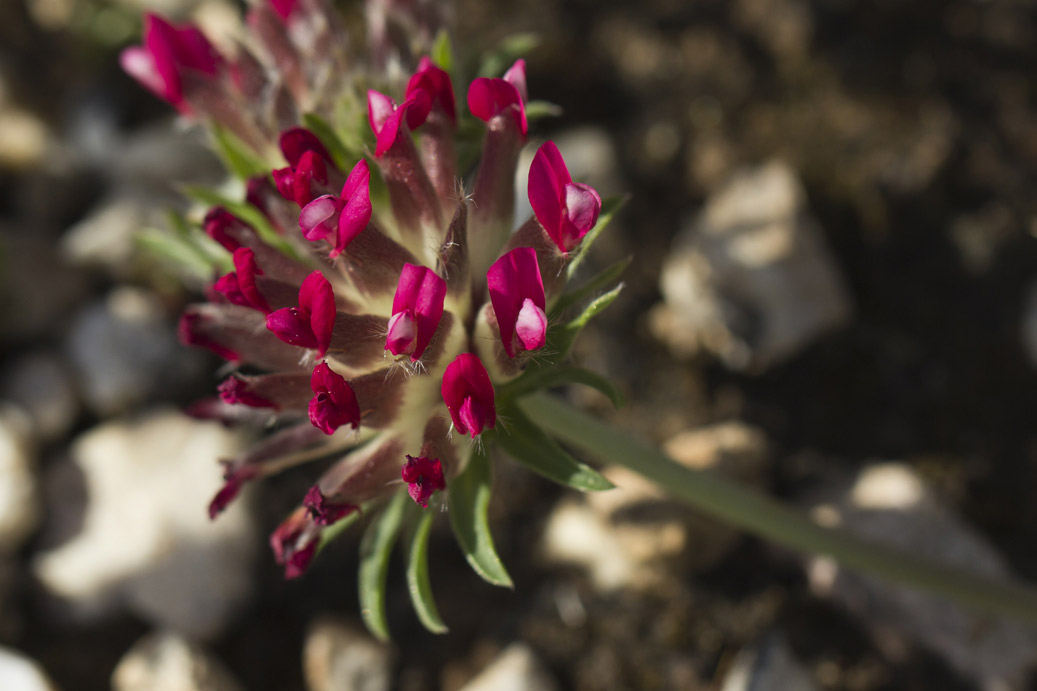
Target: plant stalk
(773, 520)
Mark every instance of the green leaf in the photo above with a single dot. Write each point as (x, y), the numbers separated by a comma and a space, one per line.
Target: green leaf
(344, 158)
(609, 208)
(507, 52)
(560, 339)
(335, 530)
(442, 51)
(548, 377)
(538, 110)
(247, 213)
(594, 285)
(176, 251)
(469, 502)
(417, 576)
(237, 157)
(530, 446)
(375, 550)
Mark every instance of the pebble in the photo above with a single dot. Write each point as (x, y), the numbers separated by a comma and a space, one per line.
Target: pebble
(167, 662)
(20, 673)
(635, 536)
(890, 503)
(19, 501)
(517, 668)
(146, 543)
(341, 655)
(41, 384)
(125, 352)
(751, 279)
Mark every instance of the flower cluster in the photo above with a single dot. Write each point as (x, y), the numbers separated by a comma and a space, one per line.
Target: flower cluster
(376, 304)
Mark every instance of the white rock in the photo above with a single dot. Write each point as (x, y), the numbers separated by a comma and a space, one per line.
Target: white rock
(751, 280)
(889, 503)
(41, 385)
(166, 662)
(20, 673)
(768, 665)
(339, 655)
(147, 543)
(634, 536)
(515, 669)
(19, 501)
(125, 351)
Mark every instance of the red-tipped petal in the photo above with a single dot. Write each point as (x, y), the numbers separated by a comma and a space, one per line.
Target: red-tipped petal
(356, 212)
(334, 404)
(419, 295)
(317, 297)
(513, 280)
(317, 219)
(468, 394)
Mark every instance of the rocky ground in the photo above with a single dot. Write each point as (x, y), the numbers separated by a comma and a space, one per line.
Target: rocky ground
(833, 299)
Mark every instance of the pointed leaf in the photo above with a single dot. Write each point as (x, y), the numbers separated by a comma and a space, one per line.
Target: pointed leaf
(560, 339)
(538, 110)
(609, 208)
(469, 501)
(177, 252)
(417, 576)
(238, 158)
(247, 213)
(343, 157)
(375, 550)
(548, 377)
(530, 446)
(567, 300)
(442, 52)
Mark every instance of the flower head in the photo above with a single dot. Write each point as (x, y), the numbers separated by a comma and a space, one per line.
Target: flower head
(517, 295)
(333, 404)
(342, 217)
(311, 323)
(489, 98)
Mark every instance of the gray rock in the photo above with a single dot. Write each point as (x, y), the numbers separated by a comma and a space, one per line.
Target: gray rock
(767, 665)
(166, 662)
(146, 543)
(517, 668)
(889, 503)
(636, 536)
(340, 655)
(19, 501)
(125, 352)
(751, 279)
(42, 385)
(20, 673)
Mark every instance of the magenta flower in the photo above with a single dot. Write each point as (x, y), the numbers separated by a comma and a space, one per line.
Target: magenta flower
(239, 287)
(488, 98)
(294, 542)
(284, 8)
(386, 117)
(416, 311)
(323, 511)
(345, 216)
(311, 323)
(567, 210)
(435, 82)
(517, 295)
(333, 404)
(468, 394)
(234, 390)
(423, 476)
(169, 54)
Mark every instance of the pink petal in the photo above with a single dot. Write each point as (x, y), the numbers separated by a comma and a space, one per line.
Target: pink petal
(317, 297)
(137, 62)
(468, 394)
(512, 280)
(245, 263)
(401, 333)
(582, 206)
(334, 404)
(531, 325)
(424, 476)
(516, 76)
(284, 8)
(436, 82)
(296, 141)
(356, 213)
(547, 179)
(316, 220)
(238, 391)
(421, 293)
(292, 325)
(323, 511)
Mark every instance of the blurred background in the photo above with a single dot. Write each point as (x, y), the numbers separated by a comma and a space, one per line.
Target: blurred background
(833, 298)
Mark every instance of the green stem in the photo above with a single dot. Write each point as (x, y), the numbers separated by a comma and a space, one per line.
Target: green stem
(768, 518)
